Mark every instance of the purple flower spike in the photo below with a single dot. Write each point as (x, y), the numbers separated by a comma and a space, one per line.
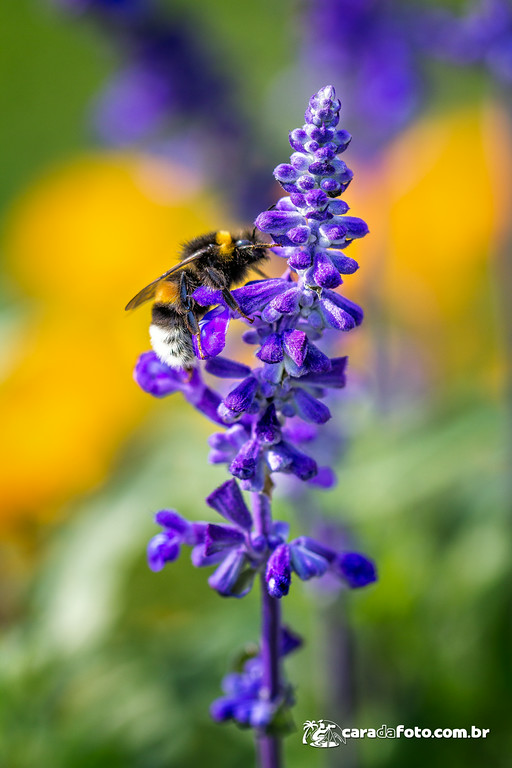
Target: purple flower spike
(272, 409)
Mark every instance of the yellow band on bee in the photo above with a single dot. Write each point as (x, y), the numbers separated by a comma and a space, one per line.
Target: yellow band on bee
(225, 242)
(166, 293)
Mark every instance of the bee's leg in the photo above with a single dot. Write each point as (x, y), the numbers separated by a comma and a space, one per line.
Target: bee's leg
(234, 305)
(219, 281)
(193, 327)
(190, 318)
(217, 278)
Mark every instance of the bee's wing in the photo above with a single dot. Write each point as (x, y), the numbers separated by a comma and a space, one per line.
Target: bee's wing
(149, 291)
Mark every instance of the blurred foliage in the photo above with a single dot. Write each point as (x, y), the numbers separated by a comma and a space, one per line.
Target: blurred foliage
(116, 665)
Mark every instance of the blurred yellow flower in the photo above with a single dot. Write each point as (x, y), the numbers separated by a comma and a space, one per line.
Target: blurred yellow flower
(79, 244)
(435, 208)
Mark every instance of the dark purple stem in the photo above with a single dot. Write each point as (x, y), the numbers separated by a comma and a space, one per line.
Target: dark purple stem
(269, 747)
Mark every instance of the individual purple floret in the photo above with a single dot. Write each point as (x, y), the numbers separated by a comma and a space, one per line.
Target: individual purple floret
(165, 547)
(157, 379)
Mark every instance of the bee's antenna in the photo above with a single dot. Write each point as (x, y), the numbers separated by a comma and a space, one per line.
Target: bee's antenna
(259, 245)
(270, 208)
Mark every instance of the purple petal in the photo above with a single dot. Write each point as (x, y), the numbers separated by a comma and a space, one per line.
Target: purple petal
(228, 501)
(207, 296)
(271, 350)
(224, 368)
(306, 542)
(268, 428)
(297, 431)
(222, 709)
(335, 377)
(221, 537)
(162, 550)
(256, 295)
(306, 563)
(326, 478)
(201, 560)
(355, 227)
(286, 302)
(241, 397)
(296, 345)
(311, 409)
(245, 464)
(283, 457)
(343, 263)
(206, 401)
(261, 714)
(156, 377)
(299, 259)
(348, 307)
(285, 173)
(279, 222)
(316, 361)
(170, 519)
(335, 316)
(290, 641)
(212, 328)
(337, 207)
(278, 574)
(335, 233)
(299, 235)
(233, 577)
(356, 569)
(297, 139)
(325, 273)
(285, 204)
(196, 533)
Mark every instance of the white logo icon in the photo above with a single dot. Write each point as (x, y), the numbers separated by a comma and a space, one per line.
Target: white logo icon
(322, 733)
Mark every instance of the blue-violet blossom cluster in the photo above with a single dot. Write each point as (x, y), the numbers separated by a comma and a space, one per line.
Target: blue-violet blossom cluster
(275, 406)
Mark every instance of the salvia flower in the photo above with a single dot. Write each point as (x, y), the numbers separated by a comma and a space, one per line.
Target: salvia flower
(270, 413)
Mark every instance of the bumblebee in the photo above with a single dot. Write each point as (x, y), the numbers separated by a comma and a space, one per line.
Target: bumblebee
(217, 260)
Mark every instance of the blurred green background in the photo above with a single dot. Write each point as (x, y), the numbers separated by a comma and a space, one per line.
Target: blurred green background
(104, 663)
